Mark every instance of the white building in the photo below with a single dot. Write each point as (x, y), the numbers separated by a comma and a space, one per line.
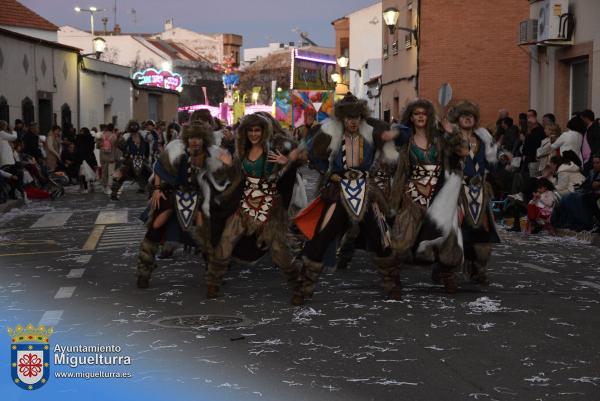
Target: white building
(127, 50)
(565, 72)
(105, 93)
(38, 80)
(254, 53)
(365, 47)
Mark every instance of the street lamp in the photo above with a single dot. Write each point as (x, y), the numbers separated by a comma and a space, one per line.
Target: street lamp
(343, 62)
(336, 78)
(90, 10)
(390, 16)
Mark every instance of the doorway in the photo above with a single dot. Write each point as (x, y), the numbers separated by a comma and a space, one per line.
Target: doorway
(579, 86)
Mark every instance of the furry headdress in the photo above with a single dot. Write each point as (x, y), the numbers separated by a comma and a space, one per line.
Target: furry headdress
(253, 120)
(464, 107)
(351, 106)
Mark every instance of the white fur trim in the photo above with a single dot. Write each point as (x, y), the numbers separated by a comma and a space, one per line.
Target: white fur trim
(389, 152)
(299, 198)
(175, 149)
(491, 148)
(212, 161)
(443, 212)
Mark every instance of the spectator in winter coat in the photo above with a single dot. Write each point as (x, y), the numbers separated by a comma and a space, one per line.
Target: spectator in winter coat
(568, 173)
(107, 146)
(572, 138)
(591, 139)
(31, 142)
(545, 151)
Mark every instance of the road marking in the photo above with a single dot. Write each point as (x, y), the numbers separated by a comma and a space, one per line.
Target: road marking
(93, 239)
(538, 268)
(590, 284)
(84, 259)
(50, 318)
(40, 242)
(55, 219)
(112, 217)
(64, 292)
(76, 273)
(32, 253)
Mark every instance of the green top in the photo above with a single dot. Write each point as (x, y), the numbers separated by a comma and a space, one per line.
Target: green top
(429, 156)
(257, 168)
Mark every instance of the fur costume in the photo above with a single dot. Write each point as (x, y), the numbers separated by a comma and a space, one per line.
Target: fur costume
(258, 204)
(347, 195)
(425, 196)
(188, 190)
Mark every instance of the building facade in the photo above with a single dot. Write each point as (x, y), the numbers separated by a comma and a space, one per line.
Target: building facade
(479, 59)
(105, 93)
(38, 80)
(565, 72)
(364, 51)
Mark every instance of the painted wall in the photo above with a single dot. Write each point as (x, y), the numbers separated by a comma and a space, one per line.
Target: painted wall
(550, 66)
(398, 88)
(365, 31)
(104, 96)
(32, 68)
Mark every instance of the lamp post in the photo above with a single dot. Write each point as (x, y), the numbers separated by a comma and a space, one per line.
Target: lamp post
(343, 62)
(90, 10)
(390, 17)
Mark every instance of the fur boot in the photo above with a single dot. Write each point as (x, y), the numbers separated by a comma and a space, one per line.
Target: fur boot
(146, 262)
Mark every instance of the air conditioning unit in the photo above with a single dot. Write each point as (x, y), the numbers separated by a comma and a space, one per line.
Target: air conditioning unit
(528, 32)
(554, 22)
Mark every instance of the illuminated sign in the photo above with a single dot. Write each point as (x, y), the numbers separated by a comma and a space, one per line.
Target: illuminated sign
(159, 79)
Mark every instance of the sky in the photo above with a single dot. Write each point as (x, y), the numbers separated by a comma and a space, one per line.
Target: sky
(258, 21)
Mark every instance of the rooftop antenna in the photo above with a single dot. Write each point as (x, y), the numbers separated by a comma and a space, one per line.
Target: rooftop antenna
(304, 39)
(115, 12)
(133, 12)
(105, 22)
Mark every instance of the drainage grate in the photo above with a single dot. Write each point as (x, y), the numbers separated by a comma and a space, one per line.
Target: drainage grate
(201, 322)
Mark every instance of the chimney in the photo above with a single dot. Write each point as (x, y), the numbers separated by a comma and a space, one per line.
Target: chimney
(117, 29)
(168, 25)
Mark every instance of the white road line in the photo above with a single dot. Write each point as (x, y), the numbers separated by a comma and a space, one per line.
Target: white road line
(84, 259)
(51, 318)
(76, 273)
(112, 217)
(538, 268)
(64, 292)
(590, 284)
(55, 219)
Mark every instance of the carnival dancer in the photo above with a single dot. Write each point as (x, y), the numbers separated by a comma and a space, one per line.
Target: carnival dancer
(381, 174)
(345, 148)
(136, 160)
(425, 194)
(267, 182)
(478, 227)
(185, 176)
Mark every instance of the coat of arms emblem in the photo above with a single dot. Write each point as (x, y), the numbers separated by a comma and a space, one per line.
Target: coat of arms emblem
(30, 356)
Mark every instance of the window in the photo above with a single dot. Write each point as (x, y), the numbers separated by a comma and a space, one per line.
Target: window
(27, 110)
(4, 111)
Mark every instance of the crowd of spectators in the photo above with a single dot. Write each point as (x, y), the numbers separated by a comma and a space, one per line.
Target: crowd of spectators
(549, 175)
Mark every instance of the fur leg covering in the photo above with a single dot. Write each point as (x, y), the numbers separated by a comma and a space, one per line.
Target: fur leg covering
(388, 268)
(146, 258)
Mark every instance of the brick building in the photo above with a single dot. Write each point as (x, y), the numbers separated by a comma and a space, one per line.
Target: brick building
(470, 44)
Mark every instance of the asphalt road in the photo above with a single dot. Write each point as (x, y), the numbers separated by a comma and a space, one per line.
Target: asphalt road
(532, 335)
